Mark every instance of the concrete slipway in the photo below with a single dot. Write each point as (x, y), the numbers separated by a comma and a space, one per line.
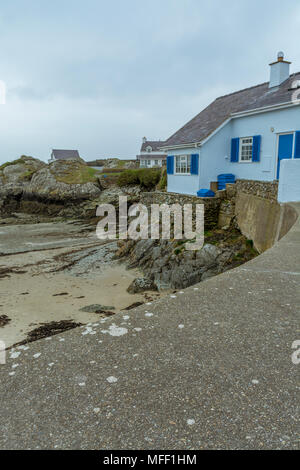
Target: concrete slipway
(210, 367)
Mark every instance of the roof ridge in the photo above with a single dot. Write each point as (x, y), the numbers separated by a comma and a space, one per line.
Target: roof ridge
(251, 87)
(240, 91)
(294, 74)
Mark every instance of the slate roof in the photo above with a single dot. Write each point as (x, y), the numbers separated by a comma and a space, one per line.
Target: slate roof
(65, 154)
(154, 144)
(202, 125)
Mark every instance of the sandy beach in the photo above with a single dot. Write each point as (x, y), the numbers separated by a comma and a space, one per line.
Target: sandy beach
(48, 272)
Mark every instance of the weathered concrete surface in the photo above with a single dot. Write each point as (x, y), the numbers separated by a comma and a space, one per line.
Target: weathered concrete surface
(258, 219)
(262, 220)
(210, 368)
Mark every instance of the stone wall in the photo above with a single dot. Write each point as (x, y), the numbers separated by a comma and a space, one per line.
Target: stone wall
(211, 205)
(265, 189)
(251, 205)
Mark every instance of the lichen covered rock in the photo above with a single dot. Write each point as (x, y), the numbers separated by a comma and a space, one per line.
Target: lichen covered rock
(44, 185)
(141, 284)
(61, 188)
(20, 171)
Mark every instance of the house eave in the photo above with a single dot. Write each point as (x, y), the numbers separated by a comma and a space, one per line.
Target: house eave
(151, 153)
(174, 147)
(199, 144)
(265, 109)
(152, 157)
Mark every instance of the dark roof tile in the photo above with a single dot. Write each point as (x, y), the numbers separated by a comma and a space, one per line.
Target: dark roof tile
(65, 154)
(154, 144)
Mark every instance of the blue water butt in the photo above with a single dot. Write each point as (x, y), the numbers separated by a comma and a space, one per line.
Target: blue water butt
(224, 179)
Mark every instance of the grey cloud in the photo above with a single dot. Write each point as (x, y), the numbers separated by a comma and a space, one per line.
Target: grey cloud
(135, 67)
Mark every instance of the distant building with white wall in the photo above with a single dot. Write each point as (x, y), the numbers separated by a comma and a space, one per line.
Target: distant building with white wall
(150, 155)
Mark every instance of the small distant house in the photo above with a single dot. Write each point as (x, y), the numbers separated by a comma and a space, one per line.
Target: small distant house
(58, 154)
(150, 155)
(246, 134)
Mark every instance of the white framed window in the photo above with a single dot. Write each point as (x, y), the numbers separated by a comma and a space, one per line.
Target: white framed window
(183, 164)
(149, 149)
(156, 162)
(142, 163)
(246, 149)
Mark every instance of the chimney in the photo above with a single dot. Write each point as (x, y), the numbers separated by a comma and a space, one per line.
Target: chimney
(280, 71)
(144, 140)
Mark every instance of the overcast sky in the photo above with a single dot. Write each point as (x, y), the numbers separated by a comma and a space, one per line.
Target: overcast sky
(98, 75)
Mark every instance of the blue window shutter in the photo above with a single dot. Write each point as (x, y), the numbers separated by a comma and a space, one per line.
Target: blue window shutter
(170, 165)
(235, 147)
(297, 145)
(256, 148)
(195, 164)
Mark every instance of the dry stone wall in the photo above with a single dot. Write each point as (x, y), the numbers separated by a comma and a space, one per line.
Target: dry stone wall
(264, 189)
(211, 205)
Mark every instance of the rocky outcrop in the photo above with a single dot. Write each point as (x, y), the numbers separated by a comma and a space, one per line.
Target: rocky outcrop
(65, 188)
(45, 186)
(20, 171)
(29, 185)
(10, 197)
(169, 265)
(14, 177)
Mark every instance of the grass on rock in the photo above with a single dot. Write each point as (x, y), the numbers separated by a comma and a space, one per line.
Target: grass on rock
(82, 174)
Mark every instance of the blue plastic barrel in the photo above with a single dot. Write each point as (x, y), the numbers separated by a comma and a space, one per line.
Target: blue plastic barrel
(224, 179)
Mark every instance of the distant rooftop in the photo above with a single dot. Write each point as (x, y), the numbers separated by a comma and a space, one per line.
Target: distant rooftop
(60, 154)
(154, 144)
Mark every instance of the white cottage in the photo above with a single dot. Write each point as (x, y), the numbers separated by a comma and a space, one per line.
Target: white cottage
(150, 155)
(246, 133)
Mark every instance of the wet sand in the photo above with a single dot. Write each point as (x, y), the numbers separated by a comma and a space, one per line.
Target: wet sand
(84, 272)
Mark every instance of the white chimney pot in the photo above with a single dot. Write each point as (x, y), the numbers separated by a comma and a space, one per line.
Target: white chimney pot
(280, 71)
